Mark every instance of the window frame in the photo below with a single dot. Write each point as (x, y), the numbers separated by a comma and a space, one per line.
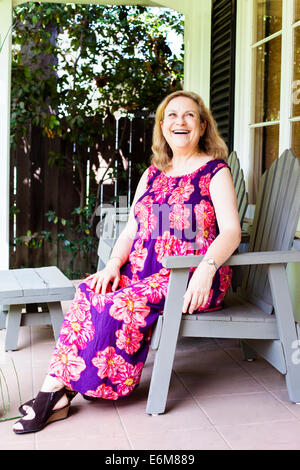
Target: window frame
(244, 87)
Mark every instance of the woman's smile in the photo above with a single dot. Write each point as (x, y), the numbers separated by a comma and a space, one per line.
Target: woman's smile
(181, 125)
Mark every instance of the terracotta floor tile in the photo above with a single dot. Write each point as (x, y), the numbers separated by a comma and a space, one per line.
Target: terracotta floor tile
(196, 439)
(244, 408)
(279, 435)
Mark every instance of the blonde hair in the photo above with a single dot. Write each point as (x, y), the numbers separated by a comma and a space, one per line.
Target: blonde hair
(210, 142)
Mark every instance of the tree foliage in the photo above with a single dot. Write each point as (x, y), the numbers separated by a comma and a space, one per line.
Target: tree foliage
(73, 61)
(74, 65)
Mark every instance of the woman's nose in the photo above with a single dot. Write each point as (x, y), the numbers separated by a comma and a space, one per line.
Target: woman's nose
(180, 119)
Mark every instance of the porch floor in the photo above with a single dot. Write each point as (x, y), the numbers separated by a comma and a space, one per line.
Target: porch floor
(216, 401)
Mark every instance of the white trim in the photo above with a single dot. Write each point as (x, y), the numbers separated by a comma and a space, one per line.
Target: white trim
(243, 66)
(5, 73)
(266, 39)
(263, 124)
(197, 44)
(285, 128)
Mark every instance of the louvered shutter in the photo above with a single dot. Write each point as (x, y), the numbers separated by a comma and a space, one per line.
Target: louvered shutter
(223, 67)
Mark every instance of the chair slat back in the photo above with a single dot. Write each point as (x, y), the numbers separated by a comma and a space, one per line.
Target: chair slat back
(239, 185)
(114, 221)
(275, 220)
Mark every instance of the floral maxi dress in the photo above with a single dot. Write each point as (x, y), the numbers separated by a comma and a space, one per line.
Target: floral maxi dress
(104, 339)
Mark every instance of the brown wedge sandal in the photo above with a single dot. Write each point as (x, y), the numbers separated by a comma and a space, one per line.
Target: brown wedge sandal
(22, 409)
(43, 413)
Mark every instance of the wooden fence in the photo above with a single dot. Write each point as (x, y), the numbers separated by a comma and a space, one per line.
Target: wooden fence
(37, 188)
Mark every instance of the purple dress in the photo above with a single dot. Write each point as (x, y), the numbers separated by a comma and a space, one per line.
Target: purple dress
(104, 339)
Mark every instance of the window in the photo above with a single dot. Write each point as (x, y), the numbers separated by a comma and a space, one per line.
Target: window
(267, 111)
(295, 119)
(266, 83)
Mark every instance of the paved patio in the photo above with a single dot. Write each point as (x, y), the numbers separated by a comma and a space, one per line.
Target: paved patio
(216, 401)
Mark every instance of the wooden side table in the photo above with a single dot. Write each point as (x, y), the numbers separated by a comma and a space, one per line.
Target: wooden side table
(38, 290)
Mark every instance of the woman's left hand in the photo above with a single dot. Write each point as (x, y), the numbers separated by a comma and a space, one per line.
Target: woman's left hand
(198, 290)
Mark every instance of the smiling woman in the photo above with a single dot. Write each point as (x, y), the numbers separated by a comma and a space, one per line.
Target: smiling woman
(105, 336)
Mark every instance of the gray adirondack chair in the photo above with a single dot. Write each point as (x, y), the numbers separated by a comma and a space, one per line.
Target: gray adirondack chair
(260, 314)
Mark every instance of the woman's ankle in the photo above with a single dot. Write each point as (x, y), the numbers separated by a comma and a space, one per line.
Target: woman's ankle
(51, 384)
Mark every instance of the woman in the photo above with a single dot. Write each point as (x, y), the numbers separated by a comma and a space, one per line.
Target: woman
(184, 204)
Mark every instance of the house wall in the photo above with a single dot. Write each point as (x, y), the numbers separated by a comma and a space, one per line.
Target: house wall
(5, 66)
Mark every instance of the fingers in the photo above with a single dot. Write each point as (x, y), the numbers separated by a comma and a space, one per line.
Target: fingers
(115, 283)
(194, 300)
(100, 281)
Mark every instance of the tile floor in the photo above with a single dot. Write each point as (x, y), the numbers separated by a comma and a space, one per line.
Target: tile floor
(216, 401)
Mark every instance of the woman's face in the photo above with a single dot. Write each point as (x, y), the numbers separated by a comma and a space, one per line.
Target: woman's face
(181, 126)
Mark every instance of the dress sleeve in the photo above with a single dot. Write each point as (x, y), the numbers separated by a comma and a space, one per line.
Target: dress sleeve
(219, 164)
(152, 170)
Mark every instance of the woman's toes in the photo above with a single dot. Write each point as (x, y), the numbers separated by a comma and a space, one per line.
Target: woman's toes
(18, 426)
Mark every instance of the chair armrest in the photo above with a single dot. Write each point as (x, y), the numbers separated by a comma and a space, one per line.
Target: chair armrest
(262, 257)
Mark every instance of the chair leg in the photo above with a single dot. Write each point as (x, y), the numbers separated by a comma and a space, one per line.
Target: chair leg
(14, 316)
(3, 316)
(248, 354)
(286, 327)
(164, 356)
(57, 317)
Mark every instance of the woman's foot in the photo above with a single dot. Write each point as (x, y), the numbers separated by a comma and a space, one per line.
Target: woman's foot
(23, 409)
(46, 408)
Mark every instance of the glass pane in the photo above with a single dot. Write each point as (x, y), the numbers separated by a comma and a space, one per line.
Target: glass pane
(296, 10)
(267, 18)
(296, 77)
(266, 143)
(267, 58)
(296, 138)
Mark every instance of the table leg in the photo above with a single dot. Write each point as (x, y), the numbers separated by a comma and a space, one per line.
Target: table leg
(57, 317)
(14, 316)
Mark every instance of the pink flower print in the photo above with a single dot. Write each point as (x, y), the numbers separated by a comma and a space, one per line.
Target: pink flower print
(108, 362)
(179, 217)
(166, 245)
(220, 165)
(205, 214)
(137, 257)
(65, 364)
(143, 207)
(124, 281)
(130, 308)
(162, 187)
(182, 192)
(103, 391)
(153, 287)
(225, 278)
(129, 339)
(151, 172)
(77, 329)
(79, 305)
(128, 379)
(148, 223)
(204, 238)
(100, 300)
(204, 185)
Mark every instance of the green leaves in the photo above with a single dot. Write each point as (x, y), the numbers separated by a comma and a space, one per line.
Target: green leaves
(59, 50)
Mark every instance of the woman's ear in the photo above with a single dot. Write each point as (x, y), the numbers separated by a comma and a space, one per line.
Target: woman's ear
(203, 127)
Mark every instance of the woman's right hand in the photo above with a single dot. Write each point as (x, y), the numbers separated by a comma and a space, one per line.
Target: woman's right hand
(101, 279)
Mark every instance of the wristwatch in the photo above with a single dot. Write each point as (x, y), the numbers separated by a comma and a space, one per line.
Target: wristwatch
(212, 262)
